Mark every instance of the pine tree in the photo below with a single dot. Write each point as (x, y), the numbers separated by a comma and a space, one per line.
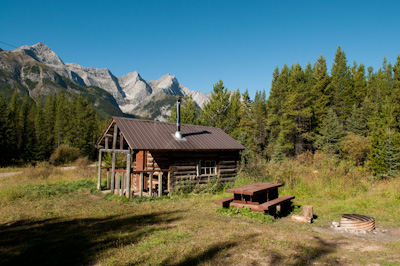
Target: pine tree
(232, 120)
(189, 111)
(40, 133)
(4, 144)
(385, 152)
(321, 94)
(215, 111)
(14, 132)
(277, 97)
(340, 85)
(331, 134)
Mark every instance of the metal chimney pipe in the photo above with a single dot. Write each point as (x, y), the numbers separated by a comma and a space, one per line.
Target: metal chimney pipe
(178, 133)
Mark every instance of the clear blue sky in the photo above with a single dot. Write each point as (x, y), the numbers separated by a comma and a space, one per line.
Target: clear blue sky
(200, 41)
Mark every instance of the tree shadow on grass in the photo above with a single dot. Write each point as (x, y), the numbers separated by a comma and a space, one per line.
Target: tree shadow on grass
(73, 242)
(306, 255)
(210, 253)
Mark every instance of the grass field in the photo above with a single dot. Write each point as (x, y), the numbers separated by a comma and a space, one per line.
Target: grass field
(53, 217)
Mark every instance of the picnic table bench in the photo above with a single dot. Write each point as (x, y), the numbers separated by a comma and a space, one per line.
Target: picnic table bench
(260, 197)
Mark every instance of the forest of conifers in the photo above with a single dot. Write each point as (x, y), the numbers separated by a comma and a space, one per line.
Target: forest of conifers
(31, 131)
(351, 112)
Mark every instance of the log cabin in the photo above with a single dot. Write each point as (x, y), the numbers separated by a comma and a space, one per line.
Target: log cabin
(159, 156)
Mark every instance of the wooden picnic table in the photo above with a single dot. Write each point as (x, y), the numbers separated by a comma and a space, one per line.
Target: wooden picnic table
(261, 197)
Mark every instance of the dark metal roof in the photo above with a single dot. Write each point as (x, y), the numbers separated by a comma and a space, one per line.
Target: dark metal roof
(152, 135)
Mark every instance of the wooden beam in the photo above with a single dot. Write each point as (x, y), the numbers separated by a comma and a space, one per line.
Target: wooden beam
(141, 185)
(128, 175)
(169, 182)
(115, 151)
(118, 183)
(160, 184)
(151, 184)
(99, 177)
(114, 158)
(121, 141)
(106, 142)
(108, 178)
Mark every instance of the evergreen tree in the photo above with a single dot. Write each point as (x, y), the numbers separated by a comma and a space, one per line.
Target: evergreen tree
(232, 120)
(13, 133)
(4, 143)
(321, 93)
(214, 112)
(331, 134)
(277, 97)
(40, 133)
(341, 92)
(385, 152)
(49, 114)
(27, 127)
(189, 111)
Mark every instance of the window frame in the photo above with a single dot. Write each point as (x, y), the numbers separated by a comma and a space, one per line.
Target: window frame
(209, 166)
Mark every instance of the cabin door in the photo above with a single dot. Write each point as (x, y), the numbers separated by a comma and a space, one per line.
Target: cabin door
(141, 159)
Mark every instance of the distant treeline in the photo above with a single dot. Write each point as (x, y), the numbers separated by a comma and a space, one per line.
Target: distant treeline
(31, 131)
(352, 112)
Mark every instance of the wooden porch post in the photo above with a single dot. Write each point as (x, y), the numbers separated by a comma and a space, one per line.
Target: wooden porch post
(141, 185)
(160, 184)
(151, 184)
(128, 175)
(118, 183)
(169, 182)
(114, 158)
(99, 178)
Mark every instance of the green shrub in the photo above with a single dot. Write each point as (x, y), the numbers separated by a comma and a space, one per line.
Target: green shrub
(64, 154)
(82, 162)
(246, 213)
(355, 148)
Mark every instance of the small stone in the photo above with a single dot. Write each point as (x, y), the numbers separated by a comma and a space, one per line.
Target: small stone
(360, 231)
(383, 230)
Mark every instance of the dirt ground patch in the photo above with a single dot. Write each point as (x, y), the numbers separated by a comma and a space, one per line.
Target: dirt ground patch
(382, 234)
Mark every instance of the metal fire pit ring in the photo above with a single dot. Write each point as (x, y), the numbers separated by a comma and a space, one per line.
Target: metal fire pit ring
(357, 221)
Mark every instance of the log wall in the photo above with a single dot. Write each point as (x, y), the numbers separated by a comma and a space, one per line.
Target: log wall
(183, 165)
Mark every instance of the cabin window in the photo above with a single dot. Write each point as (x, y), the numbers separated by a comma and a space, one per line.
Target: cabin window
(207, 168)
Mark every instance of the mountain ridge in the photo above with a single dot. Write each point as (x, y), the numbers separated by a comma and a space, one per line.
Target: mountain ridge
(130, 91)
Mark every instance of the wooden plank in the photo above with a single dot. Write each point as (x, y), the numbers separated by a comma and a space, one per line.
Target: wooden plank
(272, 203)
(160, 184)
(227, 171)
(184, 173)
(224, 202)
(118, 183)
(169, 181)
(128, 175)
(115, 150)
(227, 166)
(184, 168)
(108, 179)
(114, 158)
(99, 177)
(141, 185)
(151, 184)
(227, 162)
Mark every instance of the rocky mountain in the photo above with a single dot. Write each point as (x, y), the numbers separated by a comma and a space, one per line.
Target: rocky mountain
(25, 73)
(132, 94)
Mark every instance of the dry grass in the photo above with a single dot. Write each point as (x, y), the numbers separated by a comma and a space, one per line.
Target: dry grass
(73, 225)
